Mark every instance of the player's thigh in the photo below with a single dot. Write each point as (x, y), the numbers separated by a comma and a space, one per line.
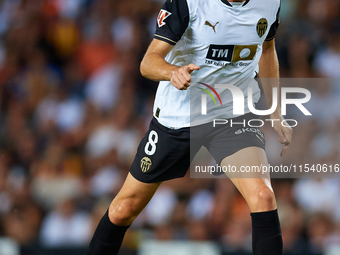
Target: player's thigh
(163, 154)
(131, 200)
(255, 187)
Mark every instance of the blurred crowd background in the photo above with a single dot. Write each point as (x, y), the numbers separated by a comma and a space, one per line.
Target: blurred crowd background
(73, 108)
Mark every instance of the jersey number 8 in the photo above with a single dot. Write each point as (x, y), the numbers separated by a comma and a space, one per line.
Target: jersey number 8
(150, 147)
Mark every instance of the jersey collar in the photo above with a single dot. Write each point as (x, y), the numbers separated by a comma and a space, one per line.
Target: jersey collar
(229, 4)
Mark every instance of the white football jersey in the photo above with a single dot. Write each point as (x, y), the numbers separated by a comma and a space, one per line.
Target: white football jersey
(225, 40)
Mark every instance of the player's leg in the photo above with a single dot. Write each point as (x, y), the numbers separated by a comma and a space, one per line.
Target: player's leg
(163, 154)
(131, 200)
(126, 206)
(259, 195)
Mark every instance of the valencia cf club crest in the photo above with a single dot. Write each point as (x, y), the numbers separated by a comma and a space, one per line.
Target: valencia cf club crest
(145, 164)
(163, 14)
(261, 27)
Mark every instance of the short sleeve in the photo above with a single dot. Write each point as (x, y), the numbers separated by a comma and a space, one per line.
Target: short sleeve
(274, 27)
(172, 21)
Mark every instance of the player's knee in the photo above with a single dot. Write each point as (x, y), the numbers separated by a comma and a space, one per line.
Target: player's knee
(123, 213)
(266, 199)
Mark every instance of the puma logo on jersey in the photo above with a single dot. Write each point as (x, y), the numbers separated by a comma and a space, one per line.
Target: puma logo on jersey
(209, 24)
(163, 14)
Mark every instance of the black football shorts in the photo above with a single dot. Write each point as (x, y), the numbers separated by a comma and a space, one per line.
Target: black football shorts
(165, 154)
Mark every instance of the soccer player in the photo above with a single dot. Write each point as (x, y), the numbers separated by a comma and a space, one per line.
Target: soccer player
(216, 40)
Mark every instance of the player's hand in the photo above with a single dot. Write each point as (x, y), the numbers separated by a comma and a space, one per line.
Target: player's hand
(285, 134)
(181, 77)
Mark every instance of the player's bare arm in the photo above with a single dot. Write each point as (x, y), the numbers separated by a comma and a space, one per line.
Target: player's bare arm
(269, 68)
(154, 66)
